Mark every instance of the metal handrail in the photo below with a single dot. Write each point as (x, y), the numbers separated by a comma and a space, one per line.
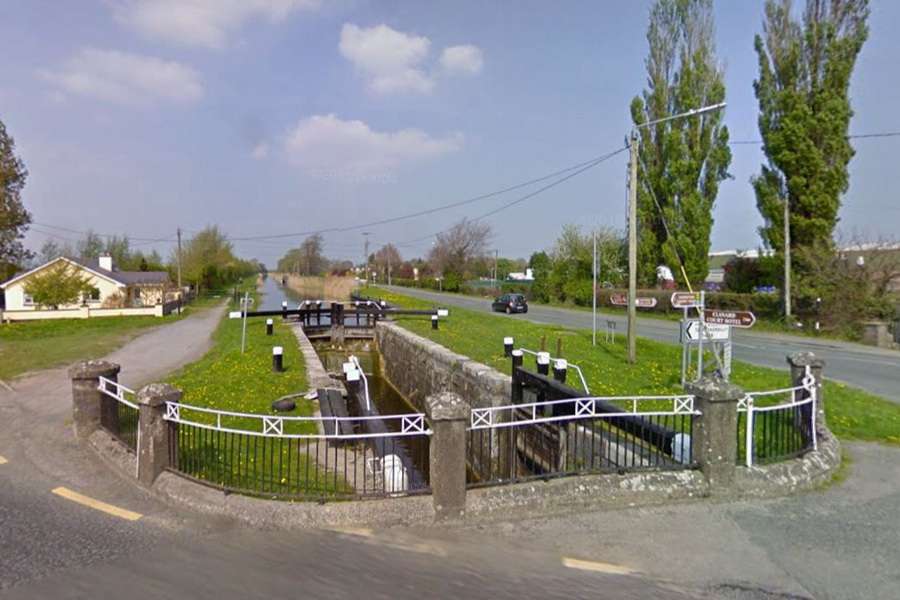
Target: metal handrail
(120, 390)
(569, 365)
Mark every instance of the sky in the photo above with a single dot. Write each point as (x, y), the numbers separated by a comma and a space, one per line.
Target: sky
(272, 117)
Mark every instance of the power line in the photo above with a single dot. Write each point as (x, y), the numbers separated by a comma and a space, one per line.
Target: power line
(528, 196)
(858, 136)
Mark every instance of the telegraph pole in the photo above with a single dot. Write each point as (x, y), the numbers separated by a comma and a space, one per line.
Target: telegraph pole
(388, 264)
(787, 259)
(594, 293)
(633, 146)
(366, 256)
(496, 277)
(632, 245)
(180, 289)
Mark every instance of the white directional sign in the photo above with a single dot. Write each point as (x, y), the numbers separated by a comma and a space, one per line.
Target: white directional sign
(713, 332)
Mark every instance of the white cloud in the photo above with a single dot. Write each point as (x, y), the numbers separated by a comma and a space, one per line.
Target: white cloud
(124, 78)
(260, 151)
(391, 60)
(466, 59)
(327, 146)
(205, 23)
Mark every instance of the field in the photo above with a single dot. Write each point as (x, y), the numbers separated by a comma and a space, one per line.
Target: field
(851, 413)
(35, 345)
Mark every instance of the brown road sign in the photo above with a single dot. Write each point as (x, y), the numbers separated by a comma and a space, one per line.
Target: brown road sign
(622, 300)
(735, 318)
(685, 299)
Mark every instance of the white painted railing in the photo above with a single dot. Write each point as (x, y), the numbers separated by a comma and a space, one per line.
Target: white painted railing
(274, 426)
(116, 390)
(514, 415)
(569, 365)
(801, 395)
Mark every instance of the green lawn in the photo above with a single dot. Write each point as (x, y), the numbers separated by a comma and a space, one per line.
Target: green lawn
(226, 379)
(851, 413)
(33, 345)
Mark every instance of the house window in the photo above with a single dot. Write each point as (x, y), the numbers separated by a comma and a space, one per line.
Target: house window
(28, 300)
(92, 296)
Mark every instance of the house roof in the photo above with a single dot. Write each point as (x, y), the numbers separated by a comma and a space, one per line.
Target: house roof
(93, 266)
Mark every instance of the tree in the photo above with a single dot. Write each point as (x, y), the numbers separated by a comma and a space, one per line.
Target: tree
(387, 258)
(208, 262)
(57, 286)
(14, 219)
(803, 91)
(456, 248)
(90, 246)
(49, 251)
(682, 161)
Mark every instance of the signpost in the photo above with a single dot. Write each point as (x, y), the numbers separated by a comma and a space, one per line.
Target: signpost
(622, 300)
(686, 300)
(713, 332)
(736, 318)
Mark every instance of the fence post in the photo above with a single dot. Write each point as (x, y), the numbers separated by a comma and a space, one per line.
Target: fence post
(715, 430)
(449, 416)
(90, 407)
(153, 430)
(798, 362)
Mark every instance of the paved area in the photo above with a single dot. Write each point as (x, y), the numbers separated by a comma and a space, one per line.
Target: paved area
(837, 543)
(873, 369)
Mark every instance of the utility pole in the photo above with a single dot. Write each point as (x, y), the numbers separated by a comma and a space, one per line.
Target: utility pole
(388, 252)
(366, 256)
(180, 289)
(496, 275)
(594, 293)
(633, 147)
(632, 245)
(787, 259)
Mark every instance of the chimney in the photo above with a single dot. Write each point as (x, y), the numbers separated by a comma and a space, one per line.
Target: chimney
(106, 262)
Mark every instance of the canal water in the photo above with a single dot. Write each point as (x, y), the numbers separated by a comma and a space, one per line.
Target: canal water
(413, 450)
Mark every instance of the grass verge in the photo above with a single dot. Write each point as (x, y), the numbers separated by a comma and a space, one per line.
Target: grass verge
(852, 413)
(34, 345)
(226, 379)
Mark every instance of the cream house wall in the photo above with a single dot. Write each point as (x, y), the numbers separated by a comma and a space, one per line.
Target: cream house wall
(15, 292)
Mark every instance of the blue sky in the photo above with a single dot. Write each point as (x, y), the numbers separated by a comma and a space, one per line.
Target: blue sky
(279, 116)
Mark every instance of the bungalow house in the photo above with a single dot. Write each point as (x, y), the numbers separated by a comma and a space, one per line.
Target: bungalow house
(111, 292)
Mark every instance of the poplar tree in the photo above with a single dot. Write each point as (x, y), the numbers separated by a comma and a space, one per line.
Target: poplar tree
(805, 67)
(681, 162)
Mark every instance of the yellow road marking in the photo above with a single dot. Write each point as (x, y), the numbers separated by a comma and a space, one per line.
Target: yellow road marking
(3, 461)
(360, 531)
(96, 504)
(599, 567)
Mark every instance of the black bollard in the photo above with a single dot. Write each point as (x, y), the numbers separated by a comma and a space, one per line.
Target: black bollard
(560, 366)
(517, 357)
(434, 322)
(508, 346)
(284, 309)
(543, 363)
(277, 359)
(269, 326)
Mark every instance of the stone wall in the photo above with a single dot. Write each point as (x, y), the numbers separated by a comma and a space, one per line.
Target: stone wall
(418, 368)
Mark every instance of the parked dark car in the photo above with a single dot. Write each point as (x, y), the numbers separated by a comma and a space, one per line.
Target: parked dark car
(510, 303)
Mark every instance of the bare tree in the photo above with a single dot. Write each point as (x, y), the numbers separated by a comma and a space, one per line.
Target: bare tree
(387, 260)
(455, 248)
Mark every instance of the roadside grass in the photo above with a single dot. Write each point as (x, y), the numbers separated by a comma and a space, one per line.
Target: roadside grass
(852, 414)
(34, 345)
(225, 379)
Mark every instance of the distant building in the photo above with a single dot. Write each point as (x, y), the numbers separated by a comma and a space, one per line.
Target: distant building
(528, 275)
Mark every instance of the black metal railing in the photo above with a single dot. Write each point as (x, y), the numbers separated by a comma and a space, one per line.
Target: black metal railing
(300, 468)
(522, 452)
(127, 430)
(778, 433)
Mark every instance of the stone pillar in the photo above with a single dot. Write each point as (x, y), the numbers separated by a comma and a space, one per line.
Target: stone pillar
(798, 363)
(715, 430)
(449, 415)
(88, 404)
(153, 430)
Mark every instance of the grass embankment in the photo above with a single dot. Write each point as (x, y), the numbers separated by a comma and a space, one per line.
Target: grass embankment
(226, 379)
(851, 413)
(34, 345)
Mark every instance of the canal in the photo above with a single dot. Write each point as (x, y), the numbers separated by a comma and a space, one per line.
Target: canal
(386, 400)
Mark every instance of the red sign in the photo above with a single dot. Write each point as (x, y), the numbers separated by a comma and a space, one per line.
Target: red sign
(685, 299)
(622, 300)
(735, 318)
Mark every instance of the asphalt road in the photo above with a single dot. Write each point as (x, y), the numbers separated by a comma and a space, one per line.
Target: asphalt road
(872, 369)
